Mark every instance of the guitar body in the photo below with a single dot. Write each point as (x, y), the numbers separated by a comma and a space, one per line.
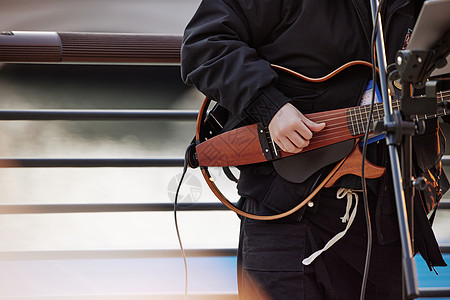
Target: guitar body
(299, 167)
(353, 165)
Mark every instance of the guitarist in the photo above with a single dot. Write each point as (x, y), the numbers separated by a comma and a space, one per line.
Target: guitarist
(227, 52)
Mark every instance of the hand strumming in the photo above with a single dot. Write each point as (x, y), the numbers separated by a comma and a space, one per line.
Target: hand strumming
(291, 130)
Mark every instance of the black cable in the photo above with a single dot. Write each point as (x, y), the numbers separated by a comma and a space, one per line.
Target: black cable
(175, 204)
(364, 151)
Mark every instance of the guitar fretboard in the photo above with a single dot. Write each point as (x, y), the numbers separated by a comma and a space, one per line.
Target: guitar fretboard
(357, 117)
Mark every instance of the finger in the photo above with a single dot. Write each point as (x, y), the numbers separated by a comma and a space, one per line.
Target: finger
(303, 130)
(306, 128)
(291, 148)
(316, 127)
(298, 140)
(286, 144)
(313, 126)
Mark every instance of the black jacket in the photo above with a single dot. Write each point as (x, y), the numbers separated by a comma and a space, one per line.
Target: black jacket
(227, 52)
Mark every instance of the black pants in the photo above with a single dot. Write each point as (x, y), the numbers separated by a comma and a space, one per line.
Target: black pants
(271, 253)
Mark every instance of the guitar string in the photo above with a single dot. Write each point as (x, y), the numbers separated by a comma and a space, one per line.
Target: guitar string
(334, 127)
(358, 123)
(362, 111)
(329, 133)
(359, 111)
(396, 104)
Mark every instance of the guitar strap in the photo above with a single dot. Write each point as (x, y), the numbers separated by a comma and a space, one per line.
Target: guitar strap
(366, 99)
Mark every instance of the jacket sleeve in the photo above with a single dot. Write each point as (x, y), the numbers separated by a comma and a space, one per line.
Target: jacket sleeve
(219, 56)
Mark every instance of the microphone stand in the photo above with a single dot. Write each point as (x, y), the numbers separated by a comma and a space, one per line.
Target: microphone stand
(398, 132)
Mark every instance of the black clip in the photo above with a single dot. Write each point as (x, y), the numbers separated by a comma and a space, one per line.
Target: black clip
(268, 147)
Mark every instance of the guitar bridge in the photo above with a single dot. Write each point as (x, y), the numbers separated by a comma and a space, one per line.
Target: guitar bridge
(268, 147)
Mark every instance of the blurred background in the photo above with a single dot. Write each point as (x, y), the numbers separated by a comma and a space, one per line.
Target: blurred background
(38, 86)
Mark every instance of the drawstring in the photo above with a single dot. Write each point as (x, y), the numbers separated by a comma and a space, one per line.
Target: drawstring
(347, 218)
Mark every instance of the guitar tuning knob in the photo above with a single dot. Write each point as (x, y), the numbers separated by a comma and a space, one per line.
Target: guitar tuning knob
(420, 183)
(190, 156)
(420, 127)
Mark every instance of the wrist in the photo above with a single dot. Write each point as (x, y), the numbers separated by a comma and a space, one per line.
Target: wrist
(264, 107)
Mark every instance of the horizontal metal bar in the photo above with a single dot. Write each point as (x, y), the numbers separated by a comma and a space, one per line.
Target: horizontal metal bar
(97, 115)
(113, 254)
(445, 248)
(88, 48)
(132, 296)
(446, 160)
(154, 296)
(444, 205)
(98, 163)
(434, 292)
(107, 207)
(90, 162)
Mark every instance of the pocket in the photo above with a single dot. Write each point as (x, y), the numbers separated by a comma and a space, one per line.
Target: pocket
(284, 195)
(271, 246)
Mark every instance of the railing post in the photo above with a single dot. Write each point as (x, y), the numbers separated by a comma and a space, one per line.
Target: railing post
(74, 47)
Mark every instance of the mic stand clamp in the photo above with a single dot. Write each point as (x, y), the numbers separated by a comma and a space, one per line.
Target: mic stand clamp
(398, 127)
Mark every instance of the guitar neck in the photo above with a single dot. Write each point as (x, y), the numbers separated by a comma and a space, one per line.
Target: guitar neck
(348, 123)
(357, 117)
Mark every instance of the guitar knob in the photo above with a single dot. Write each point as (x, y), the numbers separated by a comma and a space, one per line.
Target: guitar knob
(420, 183)
(190, 156)
(420, 127)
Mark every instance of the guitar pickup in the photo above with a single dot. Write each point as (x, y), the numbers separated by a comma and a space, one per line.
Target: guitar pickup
(268, 147)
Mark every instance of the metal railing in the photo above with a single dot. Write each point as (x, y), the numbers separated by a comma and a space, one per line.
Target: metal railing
(92, 48)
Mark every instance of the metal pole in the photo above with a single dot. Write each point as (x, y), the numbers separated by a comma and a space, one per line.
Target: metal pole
(409, 267)
(76, 47)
